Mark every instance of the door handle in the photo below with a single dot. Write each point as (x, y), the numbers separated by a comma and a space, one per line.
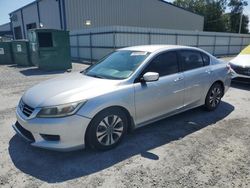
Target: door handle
(209, 71)
(179, 79)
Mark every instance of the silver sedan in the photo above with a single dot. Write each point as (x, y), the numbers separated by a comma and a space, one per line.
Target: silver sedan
(128, 89)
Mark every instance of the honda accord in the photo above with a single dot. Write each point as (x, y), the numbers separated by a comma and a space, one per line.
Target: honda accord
(128, 89)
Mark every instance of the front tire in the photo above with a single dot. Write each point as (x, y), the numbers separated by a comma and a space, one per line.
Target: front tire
(107, 129)
(213, 97)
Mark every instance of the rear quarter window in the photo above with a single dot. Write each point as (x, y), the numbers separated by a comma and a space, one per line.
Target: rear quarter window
(206, 59)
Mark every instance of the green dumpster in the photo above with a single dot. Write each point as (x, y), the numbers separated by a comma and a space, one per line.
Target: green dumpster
(5, 53)
(50, 49)
(21, 54)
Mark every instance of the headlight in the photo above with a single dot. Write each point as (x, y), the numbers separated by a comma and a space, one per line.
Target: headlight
(60, 110)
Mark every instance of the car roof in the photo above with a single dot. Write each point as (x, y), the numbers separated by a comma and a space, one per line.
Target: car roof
(155, 48)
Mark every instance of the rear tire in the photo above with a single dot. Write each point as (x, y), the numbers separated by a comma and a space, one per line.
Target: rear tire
(107, 129)
(213, 97)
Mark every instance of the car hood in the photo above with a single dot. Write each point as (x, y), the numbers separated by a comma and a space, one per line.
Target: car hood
(67, 89)
(242, 60)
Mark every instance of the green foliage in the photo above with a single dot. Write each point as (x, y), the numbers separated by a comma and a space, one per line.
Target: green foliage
(237, 7)
(215, 18)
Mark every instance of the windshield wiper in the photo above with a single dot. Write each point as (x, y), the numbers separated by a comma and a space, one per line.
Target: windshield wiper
(95, 76)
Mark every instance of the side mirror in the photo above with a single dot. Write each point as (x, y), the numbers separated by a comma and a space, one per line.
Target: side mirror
(150, 77)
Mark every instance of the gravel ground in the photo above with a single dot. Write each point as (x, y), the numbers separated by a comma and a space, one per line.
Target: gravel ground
(192, 149)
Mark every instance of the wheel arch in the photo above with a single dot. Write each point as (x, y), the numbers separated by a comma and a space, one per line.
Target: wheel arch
(131, 123)
(221, 83)
(217, 81)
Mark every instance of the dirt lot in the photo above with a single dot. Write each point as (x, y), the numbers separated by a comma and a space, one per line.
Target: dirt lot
(193, 149)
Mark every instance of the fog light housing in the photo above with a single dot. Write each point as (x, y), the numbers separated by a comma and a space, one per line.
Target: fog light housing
(50, 137)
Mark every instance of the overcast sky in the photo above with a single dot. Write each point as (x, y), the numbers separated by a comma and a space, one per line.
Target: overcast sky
(7, 6)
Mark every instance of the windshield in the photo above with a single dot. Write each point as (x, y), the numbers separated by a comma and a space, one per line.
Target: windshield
(118, 65)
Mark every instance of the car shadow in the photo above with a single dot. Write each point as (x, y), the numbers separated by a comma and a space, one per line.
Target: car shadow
(37, 72)
(52, 167)
(241, 85)
(18, 66)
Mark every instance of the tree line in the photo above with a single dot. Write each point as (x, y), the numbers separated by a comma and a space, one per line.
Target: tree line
(215, 16)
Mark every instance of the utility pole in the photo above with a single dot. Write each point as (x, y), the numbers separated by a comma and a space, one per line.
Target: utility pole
(241, 17)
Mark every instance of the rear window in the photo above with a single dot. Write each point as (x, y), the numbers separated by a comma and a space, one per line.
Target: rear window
(191, 59)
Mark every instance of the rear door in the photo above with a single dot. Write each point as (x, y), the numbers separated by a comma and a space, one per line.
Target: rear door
(154, 99)
(197, 73)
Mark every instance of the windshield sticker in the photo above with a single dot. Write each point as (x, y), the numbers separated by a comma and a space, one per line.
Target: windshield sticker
(138, 53)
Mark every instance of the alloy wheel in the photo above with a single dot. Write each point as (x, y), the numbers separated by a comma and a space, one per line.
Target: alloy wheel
(215, 96)
(110, 130)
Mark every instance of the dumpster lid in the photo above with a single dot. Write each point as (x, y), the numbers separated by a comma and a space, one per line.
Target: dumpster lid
(20, 40)
(47, 30)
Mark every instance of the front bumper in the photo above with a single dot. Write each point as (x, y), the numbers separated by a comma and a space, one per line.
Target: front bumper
(227, 84)
(236, 75)
(71, 131)
(240, 71)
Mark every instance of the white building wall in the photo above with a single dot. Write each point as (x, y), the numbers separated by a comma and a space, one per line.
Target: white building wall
(139, 13)
(48, 11)
(18, 21)
(50, 14)
(30, 16)
(5, 27)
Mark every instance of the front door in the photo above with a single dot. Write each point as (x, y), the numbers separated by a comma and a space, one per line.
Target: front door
(155, 99)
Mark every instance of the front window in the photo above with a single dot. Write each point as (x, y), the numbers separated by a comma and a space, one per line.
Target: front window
(118, 65)
(164, 64)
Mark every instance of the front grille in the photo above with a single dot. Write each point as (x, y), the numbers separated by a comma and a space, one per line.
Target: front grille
(27, 110)
(244, 80)
(25, 132)
(241, 70)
